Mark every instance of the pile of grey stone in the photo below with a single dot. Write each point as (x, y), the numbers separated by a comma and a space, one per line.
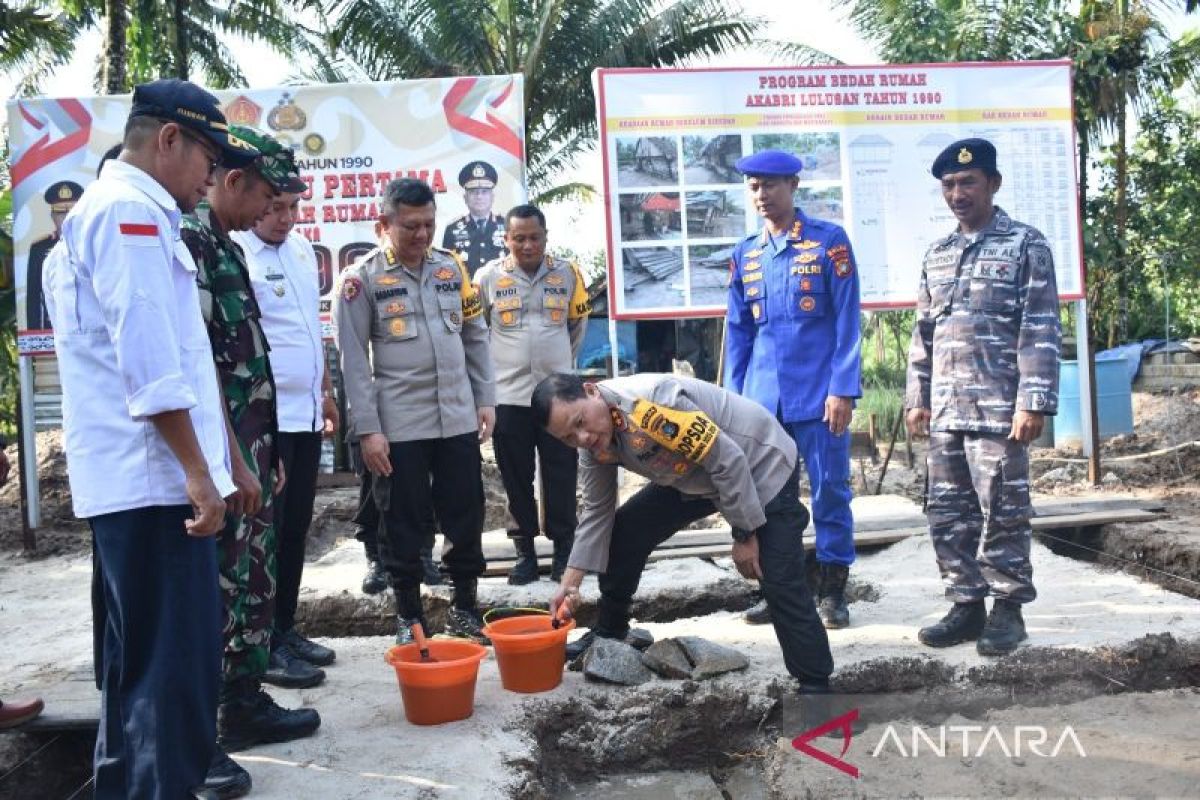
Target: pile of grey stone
(682, 658)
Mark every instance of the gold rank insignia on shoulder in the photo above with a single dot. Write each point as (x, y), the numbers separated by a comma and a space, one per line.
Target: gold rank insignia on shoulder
(797, 227)
(618, 419)
(807, 244)
(751, 266)
(444, 274)
(805, 258)
(554, 280)
(390, 256)
(387, 280)
(754, 253)
(965, 157)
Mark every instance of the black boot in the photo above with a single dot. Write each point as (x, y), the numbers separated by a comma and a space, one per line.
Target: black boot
(831, 606)
(1005, 629)
(612, 622)
(463, 621)
(562, 553)
(376, 579)
(225, 779)
(430, 574)
(964, 623)
(409, 610)
(526, 569)
(760, 614)
(249, 716)
(288, 670)
(310, 651)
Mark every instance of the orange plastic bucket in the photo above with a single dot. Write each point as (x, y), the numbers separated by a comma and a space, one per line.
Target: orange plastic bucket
(529, 651)
(438, 691)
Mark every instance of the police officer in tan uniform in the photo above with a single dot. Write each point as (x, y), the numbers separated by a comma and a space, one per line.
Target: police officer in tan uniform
(704, 450)
(537, 309)
(418, 375)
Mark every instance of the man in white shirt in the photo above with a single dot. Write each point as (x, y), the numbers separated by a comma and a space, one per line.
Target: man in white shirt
(283, 271)
(146, 439)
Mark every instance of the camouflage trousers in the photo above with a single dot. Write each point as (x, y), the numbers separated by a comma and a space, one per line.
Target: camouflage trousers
(246, 561)
(979, 513)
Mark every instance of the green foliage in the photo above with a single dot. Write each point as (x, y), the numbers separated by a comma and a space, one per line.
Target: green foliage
(1163, 224)
(885, 338)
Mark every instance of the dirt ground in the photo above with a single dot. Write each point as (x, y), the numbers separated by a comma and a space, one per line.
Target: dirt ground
(1114, 653)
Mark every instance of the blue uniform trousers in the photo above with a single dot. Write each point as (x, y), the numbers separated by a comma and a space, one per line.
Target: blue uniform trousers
(827, 459)
(161, 654)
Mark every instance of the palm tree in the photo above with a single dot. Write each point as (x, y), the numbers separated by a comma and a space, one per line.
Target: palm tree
(555, 43)
(33, 41)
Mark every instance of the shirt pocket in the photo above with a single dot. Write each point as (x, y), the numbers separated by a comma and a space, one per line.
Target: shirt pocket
(941, 293)
(450, 307)
(507, 312)
(554, 310)
(994, 287)
(808, 296)
(396, 320)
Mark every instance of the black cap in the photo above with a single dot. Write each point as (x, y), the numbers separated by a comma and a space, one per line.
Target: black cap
(62, 195)
(478, 175)
(185, 103)
(966, 154)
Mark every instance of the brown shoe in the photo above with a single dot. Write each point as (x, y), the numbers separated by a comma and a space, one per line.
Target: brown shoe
(18, 712)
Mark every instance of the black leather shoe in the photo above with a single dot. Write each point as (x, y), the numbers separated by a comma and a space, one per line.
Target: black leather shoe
(525, 570)
(760, 614)
(286, 669)
(225, 779)
(964, 623)
(375, 581)
(430, 574)
(1005, 629)
(251, 719)
(315, 654)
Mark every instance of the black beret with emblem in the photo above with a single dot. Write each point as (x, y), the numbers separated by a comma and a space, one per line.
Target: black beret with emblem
(62, 195)
(966, 154)
(478, 175)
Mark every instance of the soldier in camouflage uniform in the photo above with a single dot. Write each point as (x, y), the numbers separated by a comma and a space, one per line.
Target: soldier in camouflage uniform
(246, 547)
(982, 376)
(420, 398)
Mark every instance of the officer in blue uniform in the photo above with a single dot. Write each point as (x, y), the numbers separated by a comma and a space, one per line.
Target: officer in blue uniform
(792, 344)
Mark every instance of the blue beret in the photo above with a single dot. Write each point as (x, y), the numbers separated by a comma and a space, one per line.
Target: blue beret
(966, 154)
(770, 163)
(186, 104)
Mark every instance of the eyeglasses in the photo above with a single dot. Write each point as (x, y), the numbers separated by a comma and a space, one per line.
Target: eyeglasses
(213, 161)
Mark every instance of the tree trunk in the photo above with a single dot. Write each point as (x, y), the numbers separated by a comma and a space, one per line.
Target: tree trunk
(114, 58)
(179, 39)
(1122, 211)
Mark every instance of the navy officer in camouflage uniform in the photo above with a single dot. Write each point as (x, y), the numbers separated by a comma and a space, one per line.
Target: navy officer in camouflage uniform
(792, 345)
(477, 236)
(704, 449)
(421, 398)
(246, 547)
(982, 377)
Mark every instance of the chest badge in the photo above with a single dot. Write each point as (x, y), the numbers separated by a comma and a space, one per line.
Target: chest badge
(751, 266)
(807, 244)
(806, 258)
(398, 327)
(387, 280)
(807, 304)
(754, 253)
(279, 290)
(554, 280)
(444, 274)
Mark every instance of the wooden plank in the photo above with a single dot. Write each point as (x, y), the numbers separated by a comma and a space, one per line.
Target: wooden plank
(1051, 522)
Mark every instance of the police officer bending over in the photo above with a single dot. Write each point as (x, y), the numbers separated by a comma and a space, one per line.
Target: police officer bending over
(982, 376)
(418, 377)
(704, 449)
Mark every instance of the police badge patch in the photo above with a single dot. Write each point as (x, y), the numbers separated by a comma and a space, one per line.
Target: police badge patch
(351, 288)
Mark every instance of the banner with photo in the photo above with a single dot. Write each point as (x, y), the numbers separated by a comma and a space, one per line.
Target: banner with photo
(350, 141)
(867, 137)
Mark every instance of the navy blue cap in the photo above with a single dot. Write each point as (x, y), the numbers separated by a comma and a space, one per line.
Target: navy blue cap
(770, 163)
(62, 195)
(966, 154)
(186, 104)
(478, 175)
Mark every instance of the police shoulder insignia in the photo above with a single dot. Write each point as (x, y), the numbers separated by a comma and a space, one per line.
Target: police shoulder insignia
(807, 303)
(618, 419)
(351, 288)
(398, 327)
(690, 434)
(389, 255)
(838, 251)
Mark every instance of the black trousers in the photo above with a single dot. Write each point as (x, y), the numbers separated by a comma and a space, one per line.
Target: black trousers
(519, 442)
(367, 520)
(656, 513)
(161, 653)
(301, 456)
(431, 477)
